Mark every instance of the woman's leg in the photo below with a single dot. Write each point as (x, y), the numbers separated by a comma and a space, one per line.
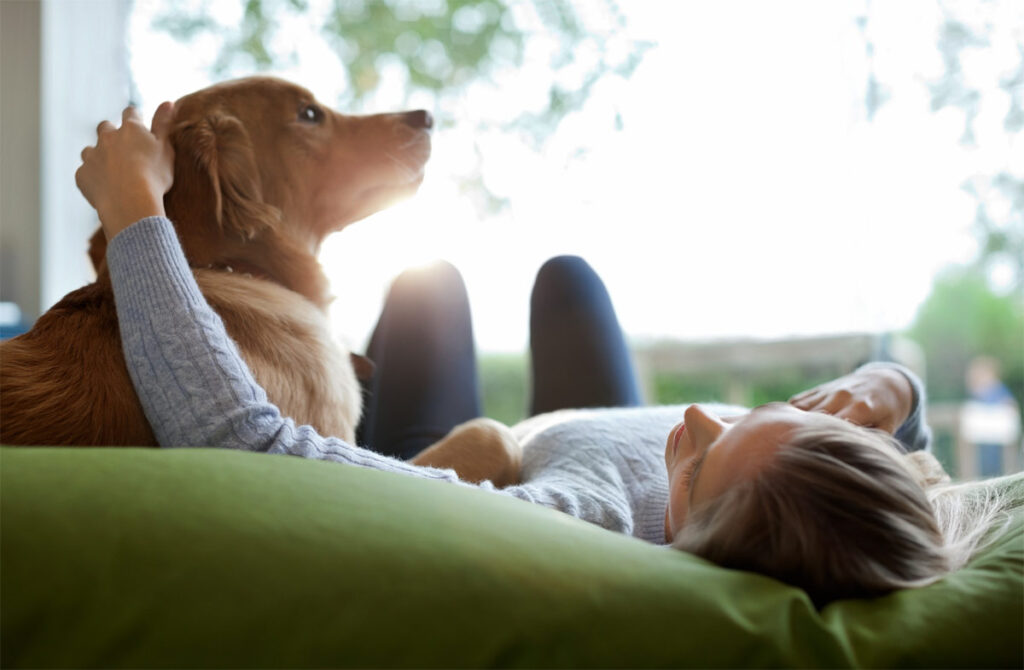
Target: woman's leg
(425, 381)
(579, 353)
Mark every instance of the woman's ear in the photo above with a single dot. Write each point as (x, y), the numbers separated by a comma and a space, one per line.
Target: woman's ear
(221, 148)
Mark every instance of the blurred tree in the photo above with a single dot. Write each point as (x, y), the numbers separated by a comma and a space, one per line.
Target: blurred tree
(772, 385)
(999, 227)
(437, 46)
(977, 308)
(964, 318)
(968, 28)
(504, 380)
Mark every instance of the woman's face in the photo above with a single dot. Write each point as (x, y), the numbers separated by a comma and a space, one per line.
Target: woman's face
(705, 455)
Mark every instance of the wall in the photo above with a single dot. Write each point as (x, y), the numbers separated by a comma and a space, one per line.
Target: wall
(64, 68)
(20, 96)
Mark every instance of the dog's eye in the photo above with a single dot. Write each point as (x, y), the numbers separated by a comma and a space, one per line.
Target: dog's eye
(311, 114)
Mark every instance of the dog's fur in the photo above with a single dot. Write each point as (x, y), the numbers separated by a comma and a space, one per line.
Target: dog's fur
(478, 449)
(263, 173)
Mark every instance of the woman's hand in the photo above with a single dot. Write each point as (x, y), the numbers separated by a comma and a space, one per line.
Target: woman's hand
(875, 397)
(125, 176)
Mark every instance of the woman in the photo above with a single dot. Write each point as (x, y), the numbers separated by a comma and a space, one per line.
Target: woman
(816, 493)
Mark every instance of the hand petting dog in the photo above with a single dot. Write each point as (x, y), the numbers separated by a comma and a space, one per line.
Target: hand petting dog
(125, 176)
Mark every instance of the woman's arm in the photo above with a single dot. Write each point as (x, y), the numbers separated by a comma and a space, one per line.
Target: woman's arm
(880, 395)
(125, 176)
(193, 385)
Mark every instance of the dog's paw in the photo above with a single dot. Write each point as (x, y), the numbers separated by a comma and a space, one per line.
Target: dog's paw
(477, 450)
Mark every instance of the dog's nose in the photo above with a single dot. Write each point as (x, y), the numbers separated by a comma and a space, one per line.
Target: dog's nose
(420, 118)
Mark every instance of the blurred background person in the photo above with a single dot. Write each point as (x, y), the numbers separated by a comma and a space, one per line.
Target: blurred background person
(991, 420)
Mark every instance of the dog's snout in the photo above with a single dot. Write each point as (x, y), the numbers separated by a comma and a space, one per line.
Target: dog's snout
(420, 118)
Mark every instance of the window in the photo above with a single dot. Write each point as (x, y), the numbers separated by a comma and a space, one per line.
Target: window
(757, 169)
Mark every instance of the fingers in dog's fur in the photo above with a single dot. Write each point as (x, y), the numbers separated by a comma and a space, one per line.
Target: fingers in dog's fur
(163, 120)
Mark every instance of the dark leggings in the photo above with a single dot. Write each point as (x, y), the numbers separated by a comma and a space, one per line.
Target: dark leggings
(426, 378)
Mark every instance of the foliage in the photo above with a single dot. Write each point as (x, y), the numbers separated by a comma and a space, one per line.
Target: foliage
(675, 389)
(754, 389)
(966, 27)
(503, 386)
(440, 47)
(968, 314)
(999, 196)
(964, 318)
(441, 44)
(1000, 229)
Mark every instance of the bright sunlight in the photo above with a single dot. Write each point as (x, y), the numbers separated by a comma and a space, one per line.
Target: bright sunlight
(733, 185)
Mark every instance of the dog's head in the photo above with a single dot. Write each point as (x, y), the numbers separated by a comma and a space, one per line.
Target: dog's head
(263, 169)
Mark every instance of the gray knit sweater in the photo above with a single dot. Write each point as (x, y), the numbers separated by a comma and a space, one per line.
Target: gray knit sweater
(605, 466)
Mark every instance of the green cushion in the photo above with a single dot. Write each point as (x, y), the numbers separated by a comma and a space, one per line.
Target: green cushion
(208, 558)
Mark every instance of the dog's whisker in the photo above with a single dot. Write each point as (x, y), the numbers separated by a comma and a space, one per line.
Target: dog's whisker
(411, 143)
(409, 172)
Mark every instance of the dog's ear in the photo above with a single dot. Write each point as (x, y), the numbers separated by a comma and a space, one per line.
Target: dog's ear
(221, 148)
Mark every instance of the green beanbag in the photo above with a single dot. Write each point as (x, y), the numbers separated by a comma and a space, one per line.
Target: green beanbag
(208, 558)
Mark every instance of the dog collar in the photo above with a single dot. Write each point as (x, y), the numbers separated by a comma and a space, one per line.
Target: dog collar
(239, 268)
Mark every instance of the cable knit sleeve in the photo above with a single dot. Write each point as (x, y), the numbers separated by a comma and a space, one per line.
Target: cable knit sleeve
(193, 384)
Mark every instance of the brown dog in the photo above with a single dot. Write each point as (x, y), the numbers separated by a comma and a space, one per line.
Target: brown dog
(263, 173)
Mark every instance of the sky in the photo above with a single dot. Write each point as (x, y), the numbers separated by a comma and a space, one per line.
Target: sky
(746, 194)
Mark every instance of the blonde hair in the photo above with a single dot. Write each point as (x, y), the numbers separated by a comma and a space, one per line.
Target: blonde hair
(839, 512)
